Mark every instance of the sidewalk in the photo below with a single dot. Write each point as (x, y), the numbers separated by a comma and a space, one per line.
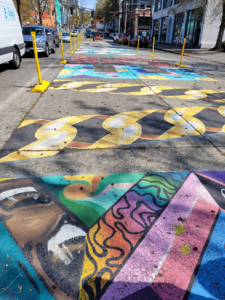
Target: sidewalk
(204, 54)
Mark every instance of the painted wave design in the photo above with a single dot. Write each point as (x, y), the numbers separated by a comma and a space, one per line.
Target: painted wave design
(116, 235)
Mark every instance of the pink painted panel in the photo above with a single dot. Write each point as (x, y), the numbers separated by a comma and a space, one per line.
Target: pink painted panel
(175, 274)
(142, 264)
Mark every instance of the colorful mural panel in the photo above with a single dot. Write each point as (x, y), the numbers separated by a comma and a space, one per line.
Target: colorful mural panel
(71, 71)
(48, 137)
(113, 236)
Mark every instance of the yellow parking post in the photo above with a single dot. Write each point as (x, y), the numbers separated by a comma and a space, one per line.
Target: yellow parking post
(63, 61)
(74, 40)
(78, 39)
(129, 42)
(103, 38)
(138, 44)
(153, 47)
(42, 84)
(182, 54)
(71, 51)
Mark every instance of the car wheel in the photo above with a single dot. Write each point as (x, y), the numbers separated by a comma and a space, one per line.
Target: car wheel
(53, 49)
(15, 62)
(47, 51)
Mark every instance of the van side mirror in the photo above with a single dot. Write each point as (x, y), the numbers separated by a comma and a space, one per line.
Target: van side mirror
(48, 33)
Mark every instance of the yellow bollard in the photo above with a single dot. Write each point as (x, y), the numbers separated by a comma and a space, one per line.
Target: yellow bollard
(138, 44)
(42, 84)
(153, 47)
(129, 42)
(78, 39)
(103, 38)
(71, 51)
(74, 40)
(63, 61)
(182, 54)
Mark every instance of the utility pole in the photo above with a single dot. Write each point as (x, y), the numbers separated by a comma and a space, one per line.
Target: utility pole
(150, 22)
(125, 27)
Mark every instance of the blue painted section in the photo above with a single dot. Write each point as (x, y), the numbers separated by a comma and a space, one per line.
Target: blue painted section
(210, 279)
(14, 284)
(61, 180)
(128, 72)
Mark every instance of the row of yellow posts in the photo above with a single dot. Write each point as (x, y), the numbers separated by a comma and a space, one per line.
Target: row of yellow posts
(153, 48)
(80, 40)
(43, 84)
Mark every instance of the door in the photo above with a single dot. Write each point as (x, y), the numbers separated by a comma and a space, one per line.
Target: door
(197, 33)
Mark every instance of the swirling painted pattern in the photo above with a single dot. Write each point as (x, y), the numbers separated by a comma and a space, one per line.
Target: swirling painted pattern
(115, 236)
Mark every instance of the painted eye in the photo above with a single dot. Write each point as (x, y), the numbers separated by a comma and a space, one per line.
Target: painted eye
(223, 192)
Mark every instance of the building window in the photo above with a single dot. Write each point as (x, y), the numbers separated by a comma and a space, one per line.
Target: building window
(158, 5)
(156, 28)
(178, 28)
(194, 24)
(163, 31)
(167, 3)
(143, 21)
(176, 2)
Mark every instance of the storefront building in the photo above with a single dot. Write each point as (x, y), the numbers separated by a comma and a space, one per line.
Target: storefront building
(194, 24)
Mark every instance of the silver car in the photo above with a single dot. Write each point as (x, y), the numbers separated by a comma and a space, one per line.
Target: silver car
(66, 37)
(44, 39)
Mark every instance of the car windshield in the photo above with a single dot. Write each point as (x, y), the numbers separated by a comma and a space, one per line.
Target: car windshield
(38, 30)
(65, 34)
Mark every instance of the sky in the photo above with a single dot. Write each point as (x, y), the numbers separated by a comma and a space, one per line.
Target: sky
(89, 4)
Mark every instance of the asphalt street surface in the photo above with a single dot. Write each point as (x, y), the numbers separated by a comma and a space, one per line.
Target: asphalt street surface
(112, 181)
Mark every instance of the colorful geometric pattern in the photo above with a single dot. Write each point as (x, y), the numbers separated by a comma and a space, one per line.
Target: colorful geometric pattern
(71, 71)
(113, 236)
(42, 138)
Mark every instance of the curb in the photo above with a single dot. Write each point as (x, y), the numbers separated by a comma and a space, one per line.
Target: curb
(168, 51)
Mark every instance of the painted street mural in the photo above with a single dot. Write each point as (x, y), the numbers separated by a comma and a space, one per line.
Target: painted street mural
(107, 51)
(42, 138)
(113, 236)
(92, 60)
(139, 90)
(110, 71)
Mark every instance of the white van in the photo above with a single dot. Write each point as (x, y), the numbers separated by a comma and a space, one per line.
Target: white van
(12, 46)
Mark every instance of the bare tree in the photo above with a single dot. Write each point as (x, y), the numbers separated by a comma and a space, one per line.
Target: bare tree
(39, 7)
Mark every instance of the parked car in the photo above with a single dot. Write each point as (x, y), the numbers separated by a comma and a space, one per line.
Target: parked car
(112, 34)
(75, 31)
(116, 36)
(142, 42)
(12, 46)
(125, 39)
(65, 37)
(56, 36)
(44, 39)
(89, 35)
(147, 39)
